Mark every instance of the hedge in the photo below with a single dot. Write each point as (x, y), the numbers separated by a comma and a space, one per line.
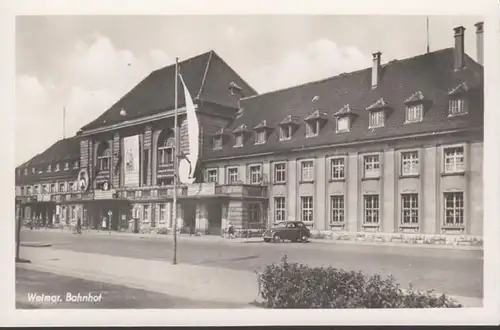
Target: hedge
(293, 285)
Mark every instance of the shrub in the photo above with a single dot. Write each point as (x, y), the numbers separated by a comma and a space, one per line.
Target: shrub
(293, 285)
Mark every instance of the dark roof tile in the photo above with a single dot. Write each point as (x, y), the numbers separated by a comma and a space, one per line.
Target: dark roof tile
(432, 74)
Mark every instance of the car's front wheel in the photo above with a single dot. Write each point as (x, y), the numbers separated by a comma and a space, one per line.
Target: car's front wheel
(304, 238)
(267, 240)
(277, 238)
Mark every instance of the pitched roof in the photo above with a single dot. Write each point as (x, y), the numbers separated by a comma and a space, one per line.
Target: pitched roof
(207, 78)
(65, 150)
(433, 74)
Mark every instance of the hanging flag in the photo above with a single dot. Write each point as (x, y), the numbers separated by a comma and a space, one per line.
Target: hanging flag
(187, 166)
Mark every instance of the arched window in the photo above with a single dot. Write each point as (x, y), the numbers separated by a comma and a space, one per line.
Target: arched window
(165, 149)
(103, 156)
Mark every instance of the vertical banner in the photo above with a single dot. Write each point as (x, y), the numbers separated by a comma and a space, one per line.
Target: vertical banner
(131, 160)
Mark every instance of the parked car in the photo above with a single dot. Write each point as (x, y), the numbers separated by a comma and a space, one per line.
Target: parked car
(295, 231)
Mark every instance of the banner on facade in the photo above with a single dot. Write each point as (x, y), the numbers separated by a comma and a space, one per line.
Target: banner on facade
(131, 160)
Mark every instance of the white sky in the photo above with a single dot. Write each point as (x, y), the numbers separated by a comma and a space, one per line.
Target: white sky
(82, 61)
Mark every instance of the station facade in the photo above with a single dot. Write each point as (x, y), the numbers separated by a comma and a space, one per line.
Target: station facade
(394, 148)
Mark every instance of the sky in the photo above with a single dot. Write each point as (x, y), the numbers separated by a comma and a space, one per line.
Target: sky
(86, 63)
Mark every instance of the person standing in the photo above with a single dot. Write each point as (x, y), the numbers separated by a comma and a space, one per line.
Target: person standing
(230, 229)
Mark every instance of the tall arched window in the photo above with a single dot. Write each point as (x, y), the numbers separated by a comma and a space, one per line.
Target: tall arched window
(103, 156)
(165, 148)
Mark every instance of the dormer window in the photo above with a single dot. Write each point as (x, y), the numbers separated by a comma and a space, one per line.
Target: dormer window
(57, 168)
(457, 100)
(312, 129)
(414, 108)
(285, 132)
(238, 140)
(218, 138)
(344, 118)
(378, 113)
(288, 127)
(377, 119)
(66, 166)
(314, 123)
(239, 135)
(49, 168)
(75, 164)
(217, 142)
(260, 137)
(33, 170)
(25, 171)
(414, 113)
(261, 132)
(457, 107)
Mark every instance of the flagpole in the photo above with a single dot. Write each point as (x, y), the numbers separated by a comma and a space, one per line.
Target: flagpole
(427, 22)
(176, 159)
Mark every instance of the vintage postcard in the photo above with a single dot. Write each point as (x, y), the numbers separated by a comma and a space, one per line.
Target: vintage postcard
(253, 163)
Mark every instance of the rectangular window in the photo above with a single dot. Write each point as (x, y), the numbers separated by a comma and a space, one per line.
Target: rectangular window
(372, 166)
(71, 186)
(61, 187)
(75, 164)
(35, 189)
(372, 211)
(255, 174)
(409, 209)
(307, 209)
(73, 212)
(337, 168)
(279, 209)
(238, 140)
(212, 175)
(454, 208)
(337, 209)
(409, 163)
(414, 113)
(312, 128)
(232, 174)
(457, 107)
(285, 132)
(103, 163)
(307, 170)
(44, 189)
(166, 155)
(161, 210)
(454, 160)
(53, 188)
(280, 173)
(217, 142)
(260, 137)
(376, 119)
(146, 213)
(28, 190)
(22, 191)
(343, 124)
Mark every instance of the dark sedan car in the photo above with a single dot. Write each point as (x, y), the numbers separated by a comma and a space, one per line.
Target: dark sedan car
(295, 231)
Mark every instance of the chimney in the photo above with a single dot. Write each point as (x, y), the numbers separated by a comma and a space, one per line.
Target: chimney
(459, 47)
(479, 42)
(376, 69)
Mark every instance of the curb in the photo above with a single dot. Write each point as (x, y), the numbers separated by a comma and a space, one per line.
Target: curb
(35, 244)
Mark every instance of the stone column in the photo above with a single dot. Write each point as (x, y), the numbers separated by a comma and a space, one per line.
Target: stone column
(116, 152)
(147, 149)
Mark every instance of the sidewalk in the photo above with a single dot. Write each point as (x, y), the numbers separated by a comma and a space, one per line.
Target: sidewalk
(219, 239)
(193, 282)
(198, 283)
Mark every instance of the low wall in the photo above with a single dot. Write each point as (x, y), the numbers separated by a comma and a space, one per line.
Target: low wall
(463, 240)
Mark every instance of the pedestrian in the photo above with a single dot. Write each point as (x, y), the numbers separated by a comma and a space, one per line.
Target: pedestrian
(230, 229)
(103, 226)
(79, 225)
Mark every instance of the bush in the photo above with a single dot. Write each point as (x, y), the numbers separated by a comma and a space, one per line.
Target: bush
(293, 285)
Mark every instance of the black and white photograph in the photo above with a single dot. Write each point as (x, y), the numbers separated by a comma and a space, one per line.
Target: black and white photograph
(253, 163)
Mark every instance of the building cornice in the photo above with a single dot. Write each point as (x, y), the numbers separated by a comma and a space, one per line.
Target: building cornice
(134, 122)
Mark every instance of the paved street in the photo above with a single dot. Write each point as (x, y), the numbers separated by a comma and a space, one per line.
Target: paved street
(30, 283)
(457, 272)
